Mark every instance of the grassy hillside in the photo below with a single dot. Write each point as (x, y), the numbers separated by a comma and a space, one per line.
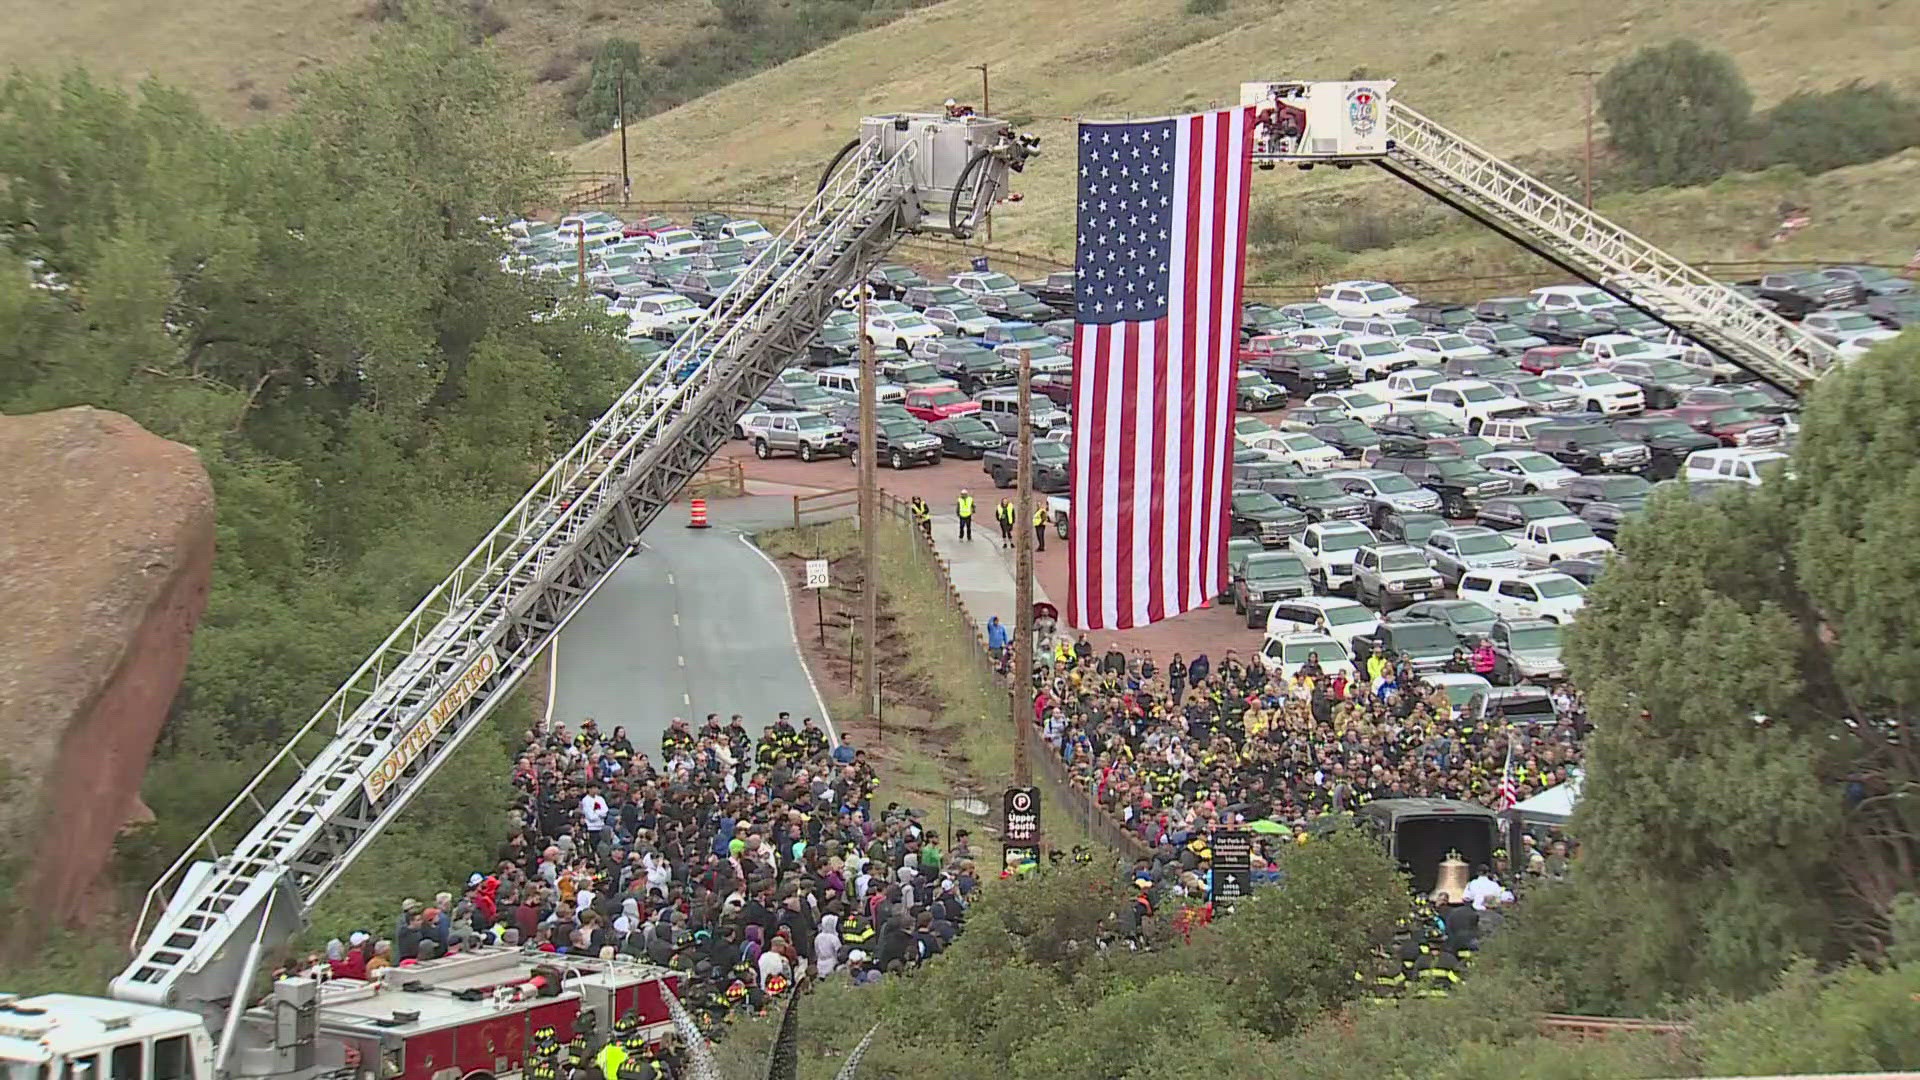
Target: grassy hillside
(239, 55)
(1497, 71)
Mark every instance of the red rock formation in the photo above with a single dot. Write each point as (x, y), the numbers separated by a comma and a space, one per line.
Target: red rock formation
(106, 548)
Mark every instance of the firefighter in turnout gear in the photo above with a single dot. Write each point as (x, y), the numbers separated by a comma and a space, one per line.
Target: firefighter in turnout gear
(857, 933)
(581, 1048)
(1382, 978)
(963, 509)
(676, 739)
(1436, 974)
(641, 1062)
(545, 1056)
(1005, 514)
(813, 741)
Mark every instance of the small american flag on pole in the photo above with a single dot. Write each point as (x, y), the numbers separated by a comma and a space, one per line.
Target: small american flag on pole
(1508, 792)
(1162, 217)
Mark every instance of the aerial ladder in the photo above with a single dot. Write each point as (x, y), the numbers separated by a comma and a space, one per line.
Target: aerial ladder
(247, 882)
(1359, 122)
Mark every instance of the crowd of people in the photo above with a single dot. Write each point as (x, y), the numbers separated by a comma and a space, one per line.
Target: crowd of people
(748, 865)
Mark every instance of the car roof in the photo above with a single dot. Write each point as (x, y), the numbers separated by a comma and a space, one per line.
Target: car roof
(1360, 282)
(1507, 574)
(1560, 519)
(1326, 603)
(1395, 547)
(1462, 384)
(1525, 624)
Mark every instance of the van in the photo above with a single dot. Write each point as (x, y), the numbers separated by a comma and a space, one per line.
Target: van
(1745, 465)
(844, 382)
(1511, 705)
(1515, 430)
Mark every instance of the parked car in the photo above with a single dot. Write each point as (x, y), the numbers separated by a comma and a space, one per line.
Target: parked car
(974, 368)
(1461, 485)
(1357, 404)
(1050, 474)
(1390, 576)
(1466, 548)
(1845, 324)
(1436, 348)
(1741, 465)
(1365, 298)
(1058, 289)
(1490, 366)
(1441, 315)
(966, 437)
(1517, 511)
(1310, 313)
(939, 401)
(1732, 425)
(1408, 526)
(1318, 498)
(1259, 515)
(1898, 312)
(1668, 441)
(1347, 435)
(1468, 620)
(921, 297)
(1001, 409)
(1254, 392)
(1527, 650)
(1876, 280)
(1014, 305)
(1797, 293)
(1531, 471)
(1328, 549)
(978, 283)
(1540, 395)
(1608, 518)
(1525, 594)
(1301, 372)
(1426, 645)
(902, 443)
(1017, 332)
(1662, 382)
(1561, 327)
(1383, 490)
(1503, 308)
(1591, 447)
(806, 435)
(1599, 391)
(1543, 543)
(962, 319)
(1505, 339)
(1264, 578)
(1605, 487)
(1332, 616)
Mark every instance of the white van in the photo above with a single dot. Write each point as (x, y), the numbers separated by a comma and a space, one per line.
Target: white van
(1747, 465)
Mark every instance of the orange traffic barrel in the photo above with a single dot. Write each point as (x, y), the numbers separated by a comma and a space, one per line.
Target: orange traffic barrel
(699, 519)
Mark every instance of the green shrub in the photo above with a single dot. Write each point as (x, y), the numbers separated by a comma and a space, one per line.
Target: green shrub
(1677, 112)
(1206, 7)
(1822, 130)
(598, 107)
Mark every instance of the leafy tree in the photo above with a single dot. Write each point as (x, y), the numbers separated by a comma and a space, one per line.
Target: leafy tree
(1678, 112)
(1745, 665)
(598, 109)
(1820, 130)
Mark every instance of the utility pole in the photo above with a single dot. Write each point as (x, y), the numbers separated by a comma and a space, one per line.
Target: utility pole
(1020, 695)
(1589, 77)
(620, 103)
(869, 522)
(986, 109)
(580, 243)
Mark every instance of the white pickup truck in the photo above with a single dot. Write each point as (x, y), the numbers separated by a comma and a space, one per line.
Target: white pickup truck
(660, 314)
(1468, 403)
(1059, 507)
(1411, 383)
(1548, 540)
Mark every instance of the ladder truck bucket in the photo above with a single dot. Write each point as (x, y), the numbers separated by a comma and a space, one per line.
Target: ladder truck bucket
(960, 167)
(1306, 122)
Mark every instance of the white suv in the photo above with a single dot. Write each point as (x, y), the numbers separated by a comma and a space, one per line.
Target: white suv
(1525, 594)
(1328, 549)
(1365, 298)
(1584, 298)
(902, 331)
(1599, 391)
(1531, 471)
(1368, 356)
(1337, 617)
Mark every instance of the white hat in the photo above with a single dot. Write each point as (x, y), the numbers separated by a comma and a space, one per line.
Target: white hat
(475, 880)
(357, 938)
(857, 956)
(951, 103)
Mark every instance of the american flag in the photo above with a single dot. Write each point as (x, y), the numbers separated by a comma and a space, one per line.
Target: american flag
(1508, 792)
(1162, 243)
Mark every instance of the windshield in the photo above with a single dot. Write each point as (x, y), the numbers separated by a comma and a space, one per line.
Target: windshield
(1297, 652)
(1558, 586)
(1732, 414)
(1276, 565)
(1423, 637)
(1666, 369)
(975, 359)
(1452, 341)
(1302, 442)
(1311, 312)
(812, 421)
(1482, 544)
(997, 283)
(1255, 502)
(1312, 361)
(1382, 292)
(1534, 638)
(1572, 530)
(676, 305)
(1345, 541)
(1509, 333)
(1577, 320)
(1802, 278)
(1533, 463)
(1025, 332)
(944, 397)
(1050, 453)
(1393, 484)
(676, 236)
(1251, 378)
(1852, 322)
(965, 313)
(969, 425)
(914, 373)
(1480, 393)
(1402, 560)
(910, 322)
(1379, 348)
(900, 429)
(1587, 436)
(1348, 615)
(1455, 469)
(1628, 348)
(1314, 489)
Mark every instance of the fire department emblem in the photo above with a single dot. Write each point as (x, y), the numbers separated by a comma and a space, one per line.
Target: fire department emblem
(1363, 110)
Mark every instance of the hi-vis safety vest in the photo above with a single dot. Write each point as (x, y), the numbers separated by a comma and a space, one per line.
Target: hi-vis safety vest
(611, 1057)
(966, 506)
(1040, 516)
(1004, 512)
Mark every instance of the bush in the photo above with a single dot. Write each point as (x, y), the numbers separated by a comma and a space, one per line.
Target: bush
(1677, 112)
(1818, 131)
(558, 68)
(1206, 7)
(486, 20)
(739, 14)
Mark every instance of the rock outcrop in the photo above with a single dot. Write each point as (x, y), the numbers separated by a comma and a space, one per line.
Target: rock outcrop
(106, 549)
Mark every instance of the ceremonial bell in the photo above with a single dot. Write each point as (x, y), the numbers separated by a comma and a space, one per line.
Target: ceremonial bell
(1453, 878)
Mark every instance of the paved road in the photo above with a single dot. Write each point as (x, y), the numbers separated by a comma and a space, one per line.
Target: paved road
(697, 622)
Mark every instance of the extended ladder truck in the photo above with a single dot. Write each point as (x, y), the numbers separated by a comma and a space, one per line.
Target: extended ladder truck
(1359, 122)
(185, 1007)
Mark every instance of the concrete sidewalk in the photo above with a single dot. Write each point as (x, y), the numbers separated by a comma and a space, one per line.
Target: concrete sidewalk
(981, 569)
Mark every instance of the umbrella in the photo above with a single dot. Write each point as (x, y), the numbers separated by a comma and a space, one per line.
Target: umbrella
(1269, 827)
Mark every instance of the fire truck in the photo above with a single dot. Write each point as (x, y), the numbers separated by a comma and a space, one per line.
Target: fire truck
(186, 1007)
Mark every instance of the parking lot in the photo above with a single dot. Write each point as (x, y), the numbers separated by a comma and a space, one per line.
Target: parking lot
(1453, 465)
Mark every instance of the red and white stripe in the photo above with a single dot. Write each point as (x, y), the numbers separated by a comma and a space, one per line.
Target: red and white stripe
(1153, 417)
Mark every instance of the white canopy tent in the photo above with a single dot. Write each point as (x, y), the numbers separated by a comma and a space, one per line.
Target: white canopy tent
(1554, 805)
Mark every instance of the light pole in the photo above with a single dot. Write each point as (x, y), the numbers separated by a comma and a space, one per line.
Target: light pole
(1589, 75)
(986, 109)
(620, 92)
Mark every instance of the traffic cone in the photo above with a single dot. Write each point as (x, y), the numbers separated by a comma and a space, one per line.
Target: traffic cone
(699, 520)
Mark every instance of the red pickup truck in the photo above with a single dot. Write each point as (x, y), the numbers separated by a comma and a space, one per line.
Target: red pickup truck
(938, 401)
